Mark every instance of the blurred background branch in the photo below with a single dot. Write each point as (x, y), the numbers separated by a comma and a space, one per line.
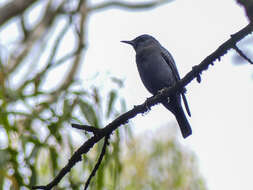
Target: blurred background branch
(14, 8)
(127, 5)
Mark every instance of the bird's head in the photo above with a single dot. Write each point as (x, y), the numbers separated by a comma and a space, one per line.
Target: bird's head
(142, 42)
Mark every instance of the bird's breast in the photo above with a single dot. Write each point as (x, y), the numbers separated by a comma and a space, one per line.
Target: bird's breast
(154, 71)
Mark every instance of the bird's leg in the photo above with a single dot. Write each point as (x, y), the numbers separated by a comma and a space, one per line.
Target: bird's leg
(146, 104)
(161, 92)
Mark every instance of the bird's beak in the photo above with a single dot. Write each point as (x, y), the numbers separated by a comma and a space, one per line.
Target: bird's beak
(128, 42)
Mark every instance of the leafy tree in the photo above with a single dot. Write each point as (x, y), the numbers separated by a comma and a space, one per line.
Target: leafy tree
(160, 163)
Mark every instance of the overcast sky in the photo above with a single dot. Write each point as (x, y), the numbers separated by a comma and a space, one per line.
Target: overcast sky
(221, 105)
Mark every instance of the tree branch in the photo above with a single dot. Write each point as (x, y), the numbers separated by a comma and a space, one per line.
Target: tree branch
(101, 156)
(140, 109)
(242, 54)
(86, 128)
(14, 8)
(127, 5)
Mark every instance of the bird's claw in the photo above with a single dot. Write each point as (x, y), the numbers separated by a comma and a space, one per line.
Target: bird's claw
(161, 91)
(146, 104)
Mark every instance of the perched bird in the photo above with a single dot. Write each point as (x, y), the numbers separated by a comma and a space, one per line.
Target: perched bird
(157, 70)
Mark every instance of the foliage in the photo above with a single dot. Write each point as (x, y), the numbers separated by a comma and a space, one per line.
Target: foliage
(160, 163)
(37, 145)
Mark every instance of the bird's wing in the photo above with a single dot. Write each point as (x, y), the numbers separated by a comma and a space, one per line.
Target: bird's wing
(171, 63)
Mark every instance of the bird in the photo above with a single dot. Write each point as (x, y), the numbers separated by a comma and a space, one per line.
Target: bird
(157, 70)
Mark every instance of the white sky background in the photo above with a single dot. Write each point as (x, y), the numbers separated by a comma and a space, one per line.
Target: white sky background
(221, 105)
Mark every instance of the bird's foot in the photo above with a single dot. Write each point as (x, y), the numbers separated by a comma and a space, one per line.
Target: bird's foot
(161, 91)
(147, 104)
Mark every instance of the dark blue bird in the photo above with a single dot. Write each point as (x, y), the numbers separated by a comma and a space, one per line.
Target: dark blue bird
(157, 70)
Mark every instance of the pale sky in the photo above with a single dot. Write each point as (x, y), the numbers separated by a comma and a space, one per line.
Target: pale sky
(221, 105)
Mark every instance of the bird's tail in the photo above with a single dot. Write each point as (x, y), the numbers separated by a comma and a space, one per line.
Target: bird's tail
(183, 123)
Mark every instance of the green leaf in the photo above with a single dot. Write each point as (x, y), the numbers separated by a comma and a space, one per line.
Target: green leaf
(118, 81)
(89, 113)
(96, 96)
(100, 177)
(123, 105)
(80, 93)
(4, 158)
(112, 98)
(1, 180)
(67, 108)
(33, 179)
(35, 151)
(54, 160)
(5, 121)
(54, 129)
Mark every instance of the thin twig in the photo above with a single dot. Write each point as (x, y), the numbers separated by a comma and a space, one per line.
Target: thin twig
(127, 5)
(35, 34)
(68, 56)
(101, 156)
(14, 8)
(87, 128)
(242, 54)
(77, 61)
